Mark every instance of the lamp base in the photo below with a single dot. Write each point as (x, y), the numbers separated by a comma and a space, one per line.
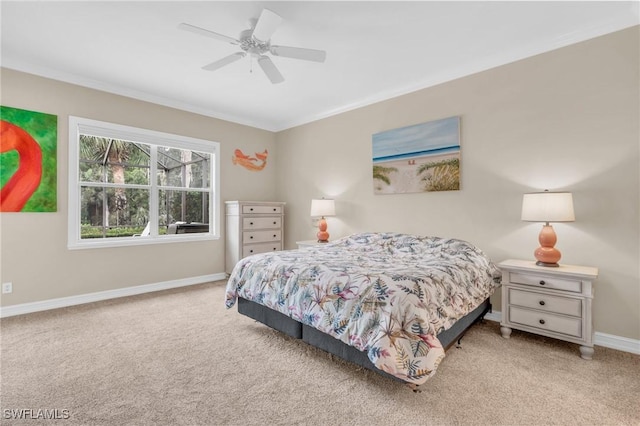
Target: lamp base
(323, 235)
(547, 254)
(548, 265)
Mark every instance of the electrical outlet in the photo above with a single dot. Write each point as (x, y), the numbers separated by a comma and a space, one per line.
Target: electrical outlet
(7, 288)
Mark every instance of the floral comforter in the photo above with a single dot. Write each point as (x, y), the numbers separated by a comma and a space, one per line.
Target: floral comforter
(386, 294)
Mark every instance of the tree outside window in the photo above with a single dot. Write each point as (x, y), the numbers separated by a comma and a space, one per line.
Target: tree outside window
(130, 189)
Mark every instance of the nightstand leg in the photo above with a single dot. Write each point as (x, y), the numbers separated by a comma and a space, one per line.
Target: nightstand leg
(506, 332)
(586, 352)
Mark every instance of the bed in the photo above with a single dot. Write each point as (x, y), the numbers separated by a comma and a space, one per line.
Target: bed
(386, 301)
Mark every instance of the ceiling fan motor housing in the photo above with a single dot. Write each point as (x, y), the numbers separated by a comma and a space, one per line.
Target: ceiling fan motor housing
(252, 45)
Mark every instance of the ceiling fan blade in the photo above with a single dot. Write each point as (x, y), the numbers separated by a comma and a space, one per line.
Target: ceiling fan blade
(299, 53)
(270, 69)
(224, 61)
(266, 25)
(207, 33)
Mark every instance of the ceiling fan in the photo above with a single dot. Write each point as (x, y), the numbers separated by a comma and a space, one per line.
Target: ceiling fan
(257, 43)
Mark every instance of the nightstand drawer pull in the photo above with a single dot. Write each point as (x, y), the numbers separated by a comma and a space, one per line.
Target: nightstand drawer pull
(542, 282)
(541, 321)
(542, 303)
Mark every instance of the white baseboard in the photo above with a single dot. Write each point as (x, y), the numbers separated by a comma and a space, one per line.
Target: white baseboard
(63, 302)
(599, 339)
(494, 316)
(616, 342)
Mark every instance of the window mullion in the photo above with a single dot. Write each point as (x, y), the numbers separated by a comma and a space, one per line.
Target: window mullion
(154, 214)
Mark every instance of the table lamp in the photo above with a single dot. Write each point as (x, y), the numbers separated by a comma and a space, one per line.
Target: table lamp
(321, 208)
(547, 207)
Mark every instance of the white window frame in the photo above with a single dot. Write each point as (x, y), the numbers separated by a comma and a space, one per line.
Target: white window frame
(78, 125)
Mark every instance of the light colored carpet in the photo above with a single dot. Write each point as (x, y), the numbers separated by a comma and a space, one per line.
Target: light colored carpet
(178, 357)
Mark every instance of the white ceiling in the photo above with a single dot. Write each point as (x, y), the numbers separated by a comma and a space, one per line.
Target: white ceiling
(375, 50)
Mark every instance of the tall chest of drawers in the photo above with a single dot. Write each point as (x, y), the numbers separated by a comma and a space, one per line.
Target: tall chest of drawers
(252, 227)
(553, 302)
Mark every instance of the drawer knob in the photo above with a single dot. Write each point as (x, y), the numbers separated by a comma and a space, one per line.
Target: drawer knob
(275, 210)
(274, 223)
(542, 303)
(251, 237)
(542, 282)
(250, 223)
(250, 251)
(251, 209)
(541, 321)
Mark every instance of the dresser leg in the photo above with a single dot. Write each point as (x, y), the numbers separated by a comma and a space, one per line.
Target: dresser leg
(506, 332)
(586, 352)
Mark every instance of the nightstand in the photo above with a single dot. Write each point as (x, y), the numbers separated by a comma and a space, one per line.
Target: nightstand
(553, 302)
(307, 243)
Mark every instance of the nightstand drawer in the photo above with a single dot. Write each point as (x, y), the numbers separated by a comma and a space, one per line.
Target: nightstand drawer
(261, 209)
(261, 222)
(546, 282)
(261, 236)
(545, 302)
(250, 249)
(546, 321)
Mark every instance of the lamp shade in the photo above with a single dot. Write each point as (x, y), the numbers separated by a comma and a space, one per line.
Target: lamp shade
(323, 207)
(548, 207)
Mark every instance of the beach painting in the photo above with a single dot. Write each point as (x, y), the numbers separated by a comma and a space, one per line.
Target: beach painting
(420, 158)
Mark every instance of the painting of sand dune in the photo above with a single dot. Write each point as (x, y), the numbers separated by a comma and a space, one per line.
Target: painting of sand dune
(420, 158)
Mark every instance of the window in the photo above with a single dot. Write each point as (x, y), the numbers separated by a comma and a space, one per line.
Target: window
(130, 186)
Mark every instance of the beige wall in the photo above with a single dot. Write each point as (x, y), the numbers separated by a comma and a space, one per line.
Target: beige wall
(34, 245)
(564, 120)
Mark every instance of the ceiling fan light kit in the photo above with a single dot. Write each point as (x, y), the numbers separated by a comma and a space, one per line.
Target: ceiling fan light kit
(257, 43)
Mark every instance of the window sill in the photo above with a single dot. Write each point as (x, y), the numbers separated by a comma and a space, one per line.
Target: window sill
(140, 241)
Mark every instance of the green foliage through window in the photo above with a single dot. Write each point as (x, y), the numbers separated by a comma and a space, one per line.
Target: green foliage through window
(116, 184)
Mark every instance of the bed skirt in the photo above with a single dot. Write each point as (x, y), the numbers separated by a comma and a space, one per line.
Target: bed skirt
(312, 336)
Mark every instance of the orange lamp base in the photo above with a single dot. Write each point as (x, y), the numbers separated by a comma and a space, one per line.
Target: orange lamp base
(323, 235)
(547, 254)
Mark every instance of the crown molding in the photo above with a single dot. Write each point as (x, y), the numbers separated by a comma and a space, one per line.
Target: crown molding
(78, 80)
(486, 63)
